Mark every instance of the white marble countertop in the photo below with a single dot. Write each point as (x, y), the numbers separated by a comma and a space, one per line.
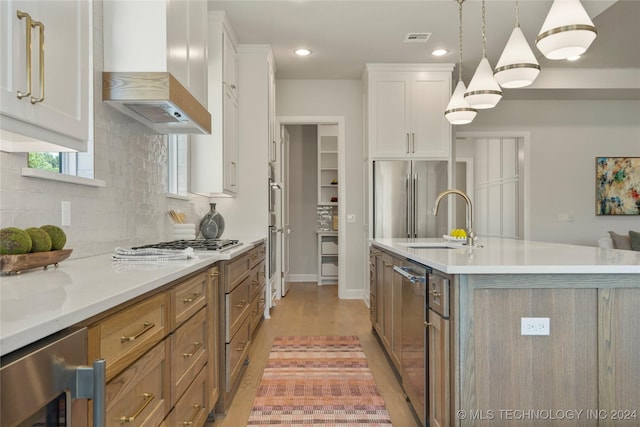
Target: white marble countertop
(508, 256)
(38, 303)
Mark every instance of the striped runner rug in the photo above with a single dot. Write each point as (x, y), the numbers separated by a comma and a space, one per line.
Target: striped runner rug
(318, 381)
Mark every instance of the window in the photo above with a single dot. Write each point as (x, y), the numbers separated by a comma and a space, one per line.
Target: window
(177, 164)
(74, 164)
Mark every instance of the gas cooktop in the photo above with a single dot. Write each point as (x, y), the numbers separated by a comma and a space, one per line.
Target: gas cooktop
(197, 244)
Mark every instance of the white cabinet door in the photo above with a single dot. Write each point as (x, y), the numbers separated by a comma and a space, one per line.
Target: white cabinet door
(430, 130)
(214, 158)
(187, 45)
(390, 115)
(406, 114)
(230, 64)
(230, 142)
(57, 109)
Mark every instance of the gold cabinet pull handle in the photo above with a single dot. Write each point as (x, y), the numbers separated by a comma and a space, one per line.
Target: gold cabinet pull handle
(191, 298)
(196, 409)
(40, 26)
(145, 327)
(242, 345)
(196, 347)
(386, 264)
(148, 397)
(214, 273)
(427, 324)
(241, 304)
(28, 26)
(435, 293)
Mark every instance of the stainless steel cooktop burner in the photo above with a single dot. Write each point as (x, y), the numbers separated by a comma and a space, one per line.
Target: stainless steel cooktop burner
(197, 244)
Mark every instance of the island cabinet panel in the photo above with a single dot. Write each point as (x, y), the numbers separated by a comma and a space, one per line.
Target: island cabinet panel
(213, 322)
(619, 354)
(515, 372)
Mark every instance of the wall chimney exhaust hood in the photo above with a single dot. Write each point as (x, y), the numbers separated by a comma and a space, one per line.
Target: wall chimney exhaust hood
(157, 100)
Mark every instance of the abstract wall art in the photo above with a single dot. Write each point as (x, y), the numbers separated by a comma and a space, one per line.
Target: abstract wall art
(617, 185)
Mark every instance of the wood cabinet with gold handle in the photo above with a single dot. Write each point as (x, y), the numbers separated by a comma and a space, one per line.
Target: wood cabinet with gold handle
(196, 347)
(28, 24)
(148, 397)
(196, 410)
(192, 298)
(241, 346)
(147, 326)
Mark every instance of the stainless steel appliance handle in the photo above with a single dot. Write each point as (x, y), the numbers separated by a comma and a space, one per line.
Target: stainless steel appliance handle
(89, 383)
(415, 205)
(408, 206)
(407, 273)
(99, 385)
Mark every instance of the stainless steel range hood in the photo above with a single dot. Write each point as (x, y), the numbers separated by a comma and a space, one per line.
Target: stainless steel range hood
(156, 99)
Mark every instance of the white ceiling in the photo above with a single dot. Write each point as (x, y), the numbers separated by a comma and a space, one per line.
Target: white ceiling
(346, 34)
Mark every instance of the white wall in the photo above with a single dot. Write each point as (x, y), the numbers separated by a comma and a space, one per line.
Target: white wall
(131, 209)
(566, 137)
(303, 199)
(336, 98)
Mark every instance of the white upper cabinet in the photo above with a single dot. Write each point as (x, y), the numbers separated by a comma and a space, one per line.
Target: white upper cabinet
(45, 75)
(158, 36)
(406, 106)
(215, 158)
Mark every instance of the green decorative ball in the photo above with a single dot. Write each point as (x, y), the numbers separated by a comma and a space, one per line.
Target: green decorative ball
(14, 241)
(40, 239)
(57, 235)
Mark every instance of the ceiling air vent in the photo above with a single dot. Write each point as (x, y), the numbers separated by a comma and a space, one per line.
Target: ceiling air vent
(417, 37)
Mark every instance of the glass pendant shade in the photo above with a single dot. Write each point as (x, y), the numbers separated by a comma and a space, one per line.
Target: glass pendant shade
(483, 91)
(458, 111)
(517, 66)
(567, 31)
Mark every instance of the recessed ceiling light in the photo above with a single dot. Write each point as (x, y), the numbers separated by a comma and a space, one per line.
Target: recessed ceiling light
(439, 52)
(302, 52)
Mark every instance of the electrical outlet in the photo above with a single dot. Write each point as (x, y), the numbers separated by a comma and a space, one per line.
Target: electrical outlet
(534, 325)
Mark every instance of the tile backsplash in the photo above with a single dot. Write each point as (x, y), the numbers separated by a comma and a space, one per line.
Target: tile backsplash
(131, 209)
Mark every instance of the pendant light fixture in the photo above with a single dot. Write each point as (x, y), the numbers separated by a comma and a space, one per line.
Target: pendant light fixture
(567, 31)
(458, 111)
(484, 91)
(517, 66)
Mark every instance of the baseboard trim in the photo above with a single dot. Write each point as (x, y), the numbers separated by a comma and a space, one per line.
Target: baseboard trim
(303, 277)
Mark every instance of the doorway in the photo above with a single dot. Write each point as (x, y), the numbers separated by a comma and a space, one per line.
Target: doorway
(294, 228)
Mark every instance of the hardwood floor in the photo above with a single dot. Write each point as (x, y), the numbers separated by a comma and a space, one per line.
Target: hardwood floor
(309, 309)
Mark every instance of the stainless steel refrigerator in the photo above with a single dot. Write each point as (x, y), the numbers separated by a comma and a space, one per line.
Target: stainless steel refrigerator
(403, 194)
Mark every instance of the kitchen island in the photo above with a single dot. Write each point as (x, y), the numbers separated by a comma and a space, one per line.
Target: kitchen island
(537, 334)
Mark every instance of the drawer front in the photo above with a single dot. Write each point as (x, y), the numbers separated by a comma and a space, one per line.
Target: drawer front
(257, 255)
(236, 271)
(126, 335)
(438, 294)
(187, 298)
(188, 353)
(237, 307)
(257, 309)
(138, 396)
(191, 409)
(236, 352)
(257, 279)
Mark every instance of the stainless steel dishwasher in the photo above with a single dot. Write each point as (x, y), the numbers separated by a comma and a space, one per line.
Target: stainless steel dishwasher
(414, 335)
